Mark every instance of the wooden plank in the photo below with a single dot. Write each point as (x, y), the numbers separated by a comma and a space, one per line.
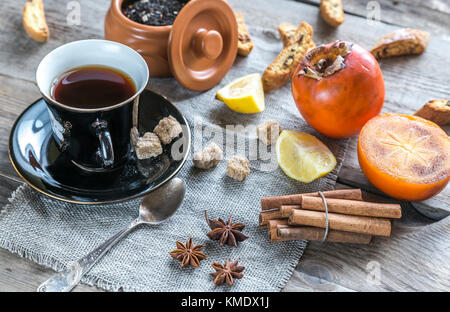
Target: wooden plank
(7, 187)
(410, 260)
(20, 55)
(432, 16)
(22, 275)
(318, 281)
(411, 81)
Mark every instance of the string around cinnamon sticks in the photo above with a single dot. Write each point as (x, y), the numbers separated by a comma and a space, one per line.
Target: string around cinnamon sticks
(327, 221)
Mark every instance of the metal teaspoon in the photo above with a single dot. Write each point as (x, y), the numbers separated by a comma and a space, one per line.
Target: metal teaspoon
(154, 209)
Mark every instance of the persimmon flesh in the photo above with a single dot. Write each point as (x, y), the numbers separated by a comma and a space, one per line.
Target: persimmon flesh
(406, 157)
(338, 88)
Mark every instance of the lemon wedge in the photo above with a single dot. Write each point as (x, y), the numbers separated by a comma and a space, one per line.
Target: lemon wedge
(303, 157)
(244, 95)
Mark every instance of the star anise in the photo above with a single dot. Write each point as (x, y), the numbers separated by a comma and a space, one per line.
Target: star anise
(227, 233)
(188, 254)
(227, 273)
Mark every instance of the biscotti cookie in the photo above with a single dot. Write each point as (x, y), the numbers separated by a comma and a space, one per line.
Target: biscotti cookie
(287, 33)
(404, 41)
(437, 111)
(281, 69)
(33, 19)
(332, 12)
(245, 43)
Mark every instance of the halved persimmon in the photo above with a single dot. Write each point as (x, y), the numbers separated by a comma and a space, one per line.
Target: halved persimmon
(407, 157)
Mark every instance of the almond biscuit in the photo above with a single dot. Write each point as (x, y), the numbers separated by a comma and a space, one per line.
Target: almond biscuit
(437, 111)
(287, 33)
(332, 12)
(404, 41)
(33, 19)
(281, 69)
(245, 43)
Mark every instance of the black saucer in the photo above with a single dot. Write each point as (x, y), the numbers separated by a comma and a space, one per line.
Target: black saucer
(34, 155)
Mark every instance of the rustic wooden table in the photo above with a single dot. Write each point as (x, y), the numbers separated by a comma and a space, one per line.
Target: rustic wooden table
(414, 258)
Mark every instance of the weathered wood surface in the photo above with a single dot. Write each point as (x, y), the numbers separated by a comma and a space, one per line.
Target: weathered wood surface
(432, 16)
(417, 242)
(22, 275)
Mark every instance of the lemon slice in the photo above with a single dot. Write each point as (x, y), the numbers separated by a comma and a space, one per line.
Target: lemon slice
(303, 157)
(244, 95)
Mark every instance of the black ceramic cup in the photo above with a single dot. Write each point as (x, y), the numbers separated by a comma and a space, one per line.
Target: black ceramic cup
(94, 139)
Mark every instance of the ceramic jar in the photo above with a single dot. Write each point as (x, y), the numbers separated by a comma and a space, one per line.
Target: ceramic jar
(198, 49)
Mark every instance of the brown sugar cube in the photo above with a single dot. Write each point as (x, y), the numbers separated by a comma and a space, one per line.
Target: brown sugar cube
(245, 43)
(238, 168)
(209, 157)
(437, 111)
(167, 129)
(268, 132)
(148, 146)
(404, 41)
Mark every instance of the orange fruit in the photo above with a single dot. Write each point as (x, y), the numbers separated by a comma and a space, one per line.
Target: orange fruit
(407, 157)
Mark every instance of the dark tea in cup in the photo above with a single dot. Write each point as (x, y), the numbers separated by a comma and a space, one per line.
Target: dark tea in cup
(92, 90)
(92, 87)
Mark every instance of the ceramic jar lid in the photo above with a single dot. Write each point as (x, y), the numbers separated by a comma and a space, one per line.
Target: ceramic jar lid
(203, 43)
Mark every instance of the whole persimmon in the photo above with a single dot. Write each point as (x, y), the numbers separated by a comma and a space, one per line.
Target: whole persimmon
(338, 87)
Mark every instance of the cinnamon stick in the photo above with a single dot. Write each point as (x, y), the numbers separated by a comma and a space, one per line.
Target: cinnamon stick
(265, 216)
(273, 229)
(316, 234)
(285, 210)
(296, 199)
(352, 207)
(354, 224)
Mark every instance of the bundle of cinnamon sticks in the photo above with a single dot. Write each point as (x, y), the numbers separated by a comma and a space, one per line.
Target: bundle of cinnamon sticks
(350, 218)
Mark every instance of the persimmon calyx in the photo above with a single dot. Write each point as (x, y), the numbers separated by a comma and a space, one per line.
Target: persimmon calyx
(324, 61)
